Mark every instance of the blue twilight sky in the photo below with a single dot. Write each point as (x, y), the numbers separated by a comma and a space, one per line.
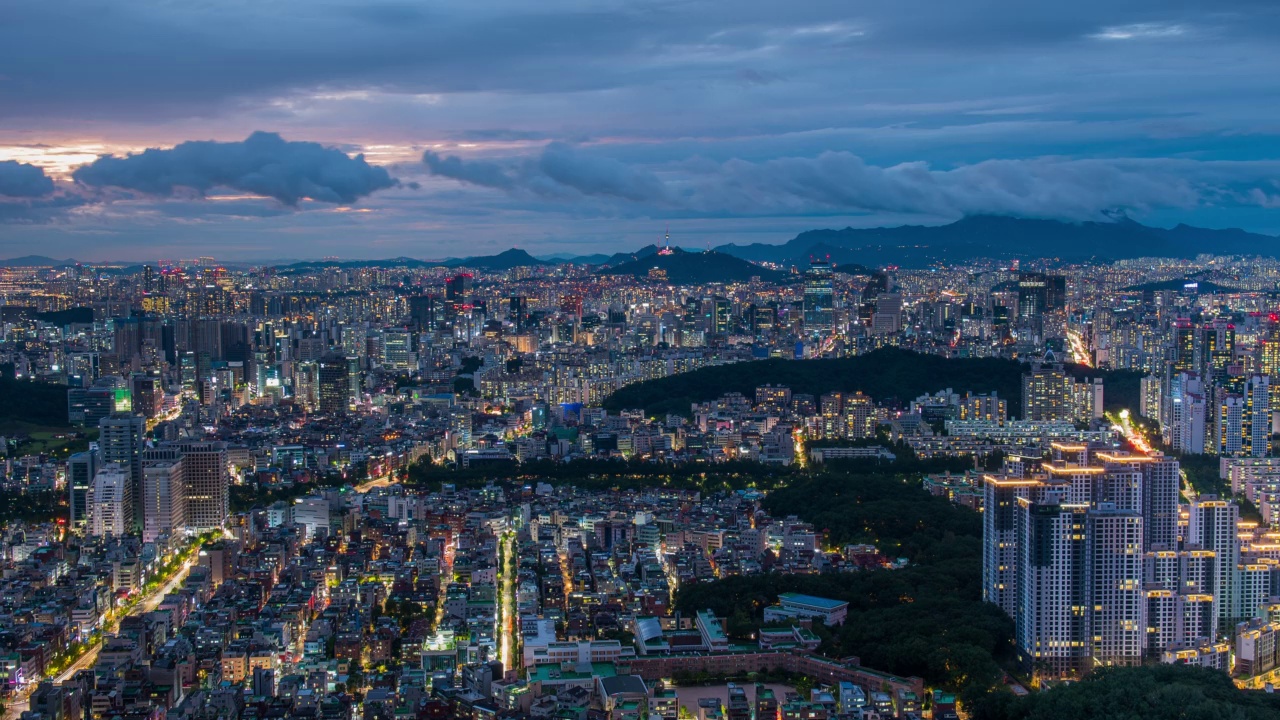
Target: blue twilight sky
(268, 129)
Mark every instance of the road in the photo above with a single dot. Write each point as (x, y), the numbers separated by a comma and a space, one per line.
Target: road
(379, 482)
(1131, 432)
(1079, 351)
(15, 706)
(508, 632)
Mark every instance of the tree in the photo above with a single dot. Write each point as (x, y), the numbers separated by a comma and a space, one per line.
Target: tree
(1157, 692)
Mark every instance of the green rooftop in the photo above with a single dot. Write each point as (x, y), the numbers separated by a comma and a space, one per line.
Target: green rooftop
(552, 673)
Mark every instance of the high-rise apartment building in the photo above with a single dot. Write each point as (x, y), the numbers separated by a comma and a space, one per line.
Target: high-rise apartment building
(121, 439)
(1000, 538)
(1117, 602)
(1244, 417)
(1157, 483)
(110, 501)
(1065, 554)
(1046, 393)
(1212, 527)
(1183, 415)
(1053, 616)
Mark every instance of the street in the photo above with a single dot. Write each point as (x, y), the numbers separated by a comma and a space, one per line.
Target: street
(18, 704)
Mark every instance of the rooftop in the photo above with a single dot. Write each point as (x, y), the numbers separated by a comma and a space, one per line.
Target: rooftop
(811, 601)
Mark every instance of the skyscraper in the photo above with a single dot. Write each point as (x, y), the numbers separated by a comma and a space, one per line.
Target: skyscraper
(1183, 425)
(1000, 539)
(1032, 296)
(518, 311)
(1065, 555)
(1053, 614)
(1244, 417)
(1161, 484)
(146, 395)
(1256, 428)
(334, 388)
(207, 480)
(422, 313)
(1212, 527)
(1184, 347)
(81, 469)
(121, 439)
(1117, 602)
(887, 319)
(819, 298)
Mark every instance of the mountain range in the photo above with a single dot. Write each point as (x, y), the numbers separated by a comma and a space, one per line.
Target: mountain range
(35, 261)
(981, 236)
(987, 236)
(504, 260)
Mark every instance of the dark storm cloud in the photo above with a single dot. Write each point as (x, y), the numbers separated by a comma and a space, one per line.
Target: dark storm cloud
(485, 174)
(39, 211)
(599, 175)
(264, 164)
(844, 182)
(184, 57)
(19, 180)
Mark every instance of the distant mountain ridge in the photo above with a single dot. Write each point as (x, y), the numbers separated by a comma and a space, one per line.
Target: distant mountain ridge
(505, 260)
(989, 236)
(980, 236)
(35, 261)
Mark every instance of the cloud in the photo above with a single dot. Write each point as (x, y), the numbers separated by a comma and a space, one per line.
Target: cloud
(483, 173)
(842, 182)
(40, 211)
(561, 171)
(264, 164)
(19, 180)
(1140, 31)
(603, 176)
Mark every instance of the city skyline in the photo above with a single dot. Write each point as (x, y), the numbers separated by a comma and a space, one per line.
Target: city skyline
(639, 360)
(572, 129)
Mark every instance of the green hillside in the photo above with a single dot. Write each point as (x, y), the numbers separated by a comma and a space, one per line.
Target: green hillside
(886, 374)
(689, 268)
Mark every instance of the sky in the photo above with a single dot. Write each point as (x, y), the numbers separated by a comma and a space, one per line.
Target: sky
(276, 129)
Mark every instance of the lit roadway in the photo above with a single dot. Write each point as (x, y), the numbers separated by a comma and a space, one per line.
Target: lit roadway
(379, 482)
(1079, 351)
(1131, 432)
(507, 630)
(17, 704)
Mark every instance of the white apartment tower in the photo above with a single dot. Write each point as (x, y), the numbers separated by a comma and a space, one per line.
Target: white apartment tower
(110, 501)
(1117, 605)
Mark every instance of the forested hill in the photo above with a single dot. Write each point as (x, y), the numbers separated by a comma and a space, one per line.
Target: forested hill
(887, 374)
(34, 402)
